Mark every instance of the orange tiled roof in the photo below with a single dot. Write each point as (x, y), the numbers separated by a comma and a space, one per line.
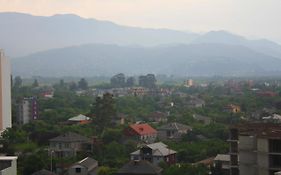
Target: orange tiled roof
(143, 129)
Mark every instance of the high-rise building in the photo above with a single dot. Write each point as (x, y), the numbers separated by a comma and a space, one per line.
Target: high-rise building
(5, 93)
(255, 149)
(28, 110)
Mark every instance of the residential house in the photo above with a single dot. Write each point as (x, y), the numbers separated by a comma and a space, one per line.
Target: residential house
(68, 144)
(173, 131)
(232, 108)
(189, 83)
(80, 119)
(202, 119)
(8, 165)
(274, 118)
(157, 117)
(195, 102)
(120, 119)
(138, 91)
(141, 132)
(264, 112)
(223, 162)
(142, 167)
(43, 172)
(87, 166)
(155, 153)
(267, 94)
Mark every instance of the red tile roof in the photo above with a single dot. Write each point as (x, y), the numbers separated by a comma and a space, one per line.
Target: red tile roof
(143, 129)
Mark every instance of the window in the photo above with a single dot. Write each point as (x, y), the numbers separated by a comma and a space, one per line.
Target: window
(78, 170)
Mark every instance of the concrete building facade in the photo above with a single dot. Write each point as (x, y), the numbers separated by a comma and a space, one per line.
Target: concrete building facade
(5, 93)
(255, 149)
(28, 110)
(8, 165)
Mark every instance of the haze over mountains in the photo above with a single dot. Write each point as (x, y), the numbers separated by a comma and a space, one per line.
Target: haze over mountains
(23, 34)
(68, 45)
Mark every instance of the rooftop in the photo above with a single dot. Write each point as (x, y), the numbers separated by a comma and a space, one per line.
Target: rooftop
(70, 137)
(175, 126)
(89, 163)
(159, 149)
(222, 157)
(143, 129)
(8, 158)
(139, 167)
(79, 117)
(43, 172)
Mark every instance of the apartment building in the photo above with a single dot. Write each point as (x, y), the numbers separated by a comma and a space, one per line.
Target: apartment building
(28, 110)
(5, 93)
(255, 149)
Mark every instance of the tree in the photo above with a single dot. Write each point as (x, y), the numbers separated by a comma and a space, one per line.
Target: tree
(32, 164)
(103, 111)
(83, 84)
(105, 171)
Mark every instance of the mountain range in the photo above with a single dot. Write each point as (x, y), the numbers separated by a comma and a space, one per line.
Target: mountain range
(188, 60)
(68, 45)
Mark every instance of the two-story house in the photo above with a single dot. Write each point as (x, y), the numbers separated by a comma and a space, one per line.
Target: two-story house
(155, 153)
(141, 132)
(173, 131)
(68, 144)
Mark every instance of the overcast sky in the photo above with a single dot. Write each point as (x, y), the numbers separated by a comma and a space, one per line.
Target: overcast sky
(251, 18)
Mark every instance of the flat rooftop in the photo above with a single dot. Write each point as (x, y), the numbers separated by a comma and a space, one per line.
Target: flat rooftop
(8, 158)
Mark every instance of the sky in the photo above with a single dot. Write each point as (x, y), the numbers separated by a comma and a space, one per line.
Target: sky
(250, 18)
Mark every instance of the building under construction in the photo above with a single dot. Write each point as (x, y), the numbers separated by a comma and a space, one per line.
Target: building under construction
(255, 149)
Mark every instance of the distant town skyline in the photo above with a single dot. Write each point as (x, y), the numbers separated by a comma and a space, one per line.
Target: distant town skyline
(251, 18)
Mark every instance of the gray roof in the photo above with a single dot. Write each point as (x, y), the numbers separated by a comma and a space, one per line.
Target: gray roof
(43, 172)
(139, 168)
(158, 149)
(175, 126)
(70, 137)
(196, 101)
(88, 163)
(200, 117)
(79, 117)
(222, 157)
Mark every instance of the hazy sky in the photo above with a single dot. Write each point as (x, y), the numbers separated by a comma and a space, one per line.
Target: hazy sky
(252, 18)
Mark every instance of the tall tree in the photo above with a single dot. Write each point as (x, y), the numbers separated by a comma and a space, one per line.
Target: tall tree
(103, 111)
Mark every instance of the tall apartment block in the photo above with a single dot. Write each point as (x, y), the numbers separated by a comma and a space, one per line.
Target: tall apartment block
(28, 110)
(255, 149)
(5, 93)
